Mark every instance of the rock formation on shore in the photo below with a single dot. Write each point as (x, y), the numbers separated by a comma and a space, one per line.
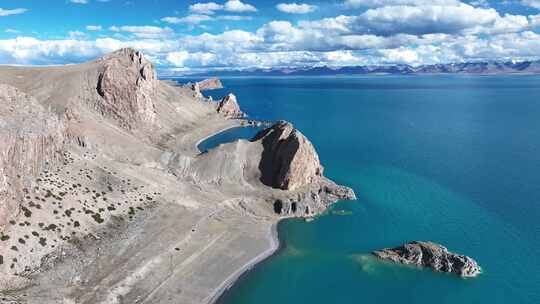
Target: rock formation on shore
(210, 84)
(228, 106)
(103, 192)
(432, 255)
(289, 160)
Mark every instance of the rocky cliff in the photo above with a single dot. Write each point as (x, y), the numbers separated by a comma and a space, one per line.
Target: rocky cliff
(31, 137)
(228, 106)
(127, 83)
(431, 255)
(289, 160)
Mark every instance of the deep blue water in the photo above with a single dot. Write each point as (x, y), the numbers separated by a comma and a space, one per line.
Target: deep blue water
(451, 159)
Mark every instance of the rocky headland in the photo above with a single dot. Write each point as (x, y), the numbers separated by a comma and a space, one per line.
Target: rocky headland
(228, 106)
(431, 255)
(210, 84)
(104, 197)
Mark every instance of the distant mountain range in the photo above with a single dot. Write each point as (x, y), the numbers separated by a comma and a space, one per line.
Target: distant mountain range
(478, 68)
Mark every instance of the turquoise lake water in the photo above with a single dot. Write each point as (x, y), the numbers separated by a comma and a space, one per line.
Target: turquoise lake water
(450, 159)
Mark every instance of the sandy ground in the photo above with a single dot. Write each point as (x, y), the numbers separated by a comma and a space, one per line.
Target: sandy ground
(189, 248)
(273, 240)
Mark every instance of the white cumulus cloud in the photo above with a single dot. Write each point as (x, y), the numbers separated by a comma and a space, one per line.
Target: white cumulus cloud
(190, 19)
(144, 31)
(295, 8)
(393, 31)
(177, 58)
(238, 6)
(8, 12)
(76, 34)
(205, 8)
(380, 3)
(425, 19)
(234, 18)
(95, 28)
(531, 3)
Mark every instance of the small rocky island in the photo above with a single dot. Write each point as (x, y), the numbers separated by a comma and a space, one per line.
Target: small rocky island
(432, 255)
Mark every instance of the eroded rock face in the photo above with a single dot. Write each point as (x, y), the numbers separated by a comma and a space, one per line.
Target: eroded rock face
(432, 255)
(196, 89)
(30, 137)
(127, 84)
(210, 84)
(289, 160)
(229, 107)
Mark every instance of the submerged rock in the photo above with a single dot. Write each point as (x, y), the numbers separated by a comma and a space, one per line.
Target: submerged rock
(432, 255)
(289, 160)
(229, 107)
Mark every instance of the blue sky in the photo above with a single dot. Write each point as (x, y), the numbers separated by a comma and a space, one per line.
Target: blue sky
(190, 36)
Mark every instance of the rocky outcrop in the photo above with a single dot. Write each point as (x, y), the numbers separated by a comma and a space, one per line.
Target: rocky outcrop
(229, 107)
(196, 89)
(289, 160)
(316, 200)
(31, 136)
(432, 255)
(210, 84)
(127, 83)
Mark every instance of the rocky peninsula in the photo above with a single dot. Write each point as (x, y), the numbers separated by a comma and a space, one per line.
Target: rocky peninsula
(104, 197)
(228, 106)
(210, 84)
(431, 255)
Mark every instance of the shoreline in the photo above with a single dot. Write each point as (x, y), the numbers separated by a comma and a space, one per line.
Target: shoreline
(275, 246)
(272, 236)
(214, 133)
(237, 123)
